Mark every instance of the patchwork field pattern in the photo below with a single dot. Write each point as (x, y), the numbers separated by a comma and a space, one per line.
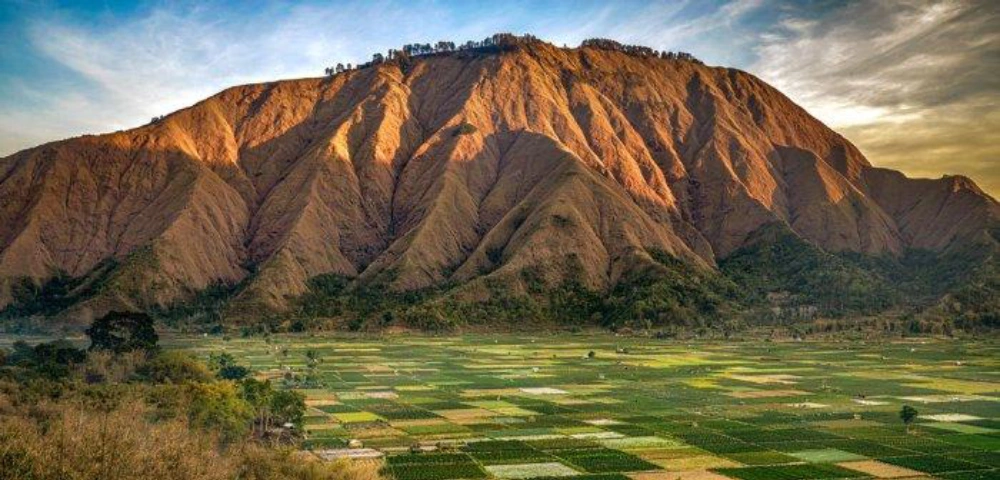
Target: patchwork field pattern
(510, 407)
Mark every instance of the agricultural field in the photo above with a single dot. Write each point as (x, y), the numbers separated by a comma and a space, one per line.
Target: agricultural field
(516, 407)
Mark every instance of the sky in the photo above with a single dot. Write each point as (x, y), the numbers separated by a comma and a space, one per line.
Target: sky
(915, 84)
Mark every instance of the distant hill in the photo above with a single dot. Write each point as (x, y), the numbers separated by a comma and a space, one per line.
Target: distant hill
(512, 182)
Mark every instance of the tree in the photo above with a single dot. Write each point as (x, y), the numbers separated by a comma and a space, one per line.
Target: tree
(258, 394)
(121, 332)
(219, 406)
(51, 360)
(272, 407)
(288, 406)
(312, 358)
(908, 414)
(312, 361)
(226, 368)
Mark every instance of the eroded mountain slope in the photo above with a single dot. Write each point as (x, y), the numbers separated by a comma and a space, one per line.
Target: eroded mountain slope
(452, 168)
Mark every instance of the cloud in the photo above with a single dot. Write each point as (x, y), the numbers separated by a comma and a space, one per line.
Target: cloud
(50, 115)
(687, 25)
(913, 84)
(166, 58)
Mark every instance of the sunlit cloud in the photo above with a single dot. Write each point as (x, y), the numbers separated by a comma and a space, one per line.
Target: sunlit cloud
(913, 84)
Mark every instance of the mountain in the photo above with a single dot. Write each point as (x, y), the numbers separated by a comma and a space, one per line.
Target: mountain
(509, 171)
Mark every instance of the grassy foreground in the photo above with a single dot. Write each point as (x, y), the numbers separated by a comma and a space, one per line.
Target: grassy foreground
(599, 406)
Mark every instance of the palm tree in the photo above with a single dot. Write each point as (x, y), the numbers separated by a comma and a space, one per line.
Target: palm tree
(312, 357)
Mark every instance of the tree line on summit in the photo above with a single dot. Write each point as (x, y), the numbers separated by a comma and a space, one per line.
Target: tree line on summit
(502, 42)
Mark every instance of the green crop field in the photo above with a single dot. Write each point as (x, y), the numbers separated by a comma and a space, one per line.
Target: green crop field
(543, 407)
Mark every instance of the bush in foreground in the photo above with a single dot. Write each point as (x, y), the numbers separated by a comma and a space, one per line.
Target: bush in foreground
(78, 443)
(75, 415)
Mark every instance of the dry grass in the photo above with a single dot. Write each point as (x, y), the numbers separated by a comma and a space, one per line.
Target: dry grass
(259, 463)
(768, 393)
(76, 443)
(698, 462)
(688, 475)
(466, 415)
(109, 368)
(880, 470)
(69, 441)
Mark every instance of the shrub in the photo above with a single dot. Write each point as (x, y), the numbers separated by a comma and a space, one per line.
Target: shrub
(466, 129)
(174, 367)
(907, 414)
(226, 368)
(51, 360)
(82, 444)
(104, 366)
(123, 423)
(77, 443)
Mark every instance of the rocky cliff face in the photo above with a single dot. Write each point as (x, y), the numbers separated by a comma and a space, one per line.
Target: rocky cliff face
(457, 169)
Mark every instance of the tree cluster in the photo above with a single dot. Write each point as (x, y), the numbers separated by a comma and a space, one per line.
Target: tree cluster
(159, 415)
(121, 332)
(500, 42)
(163, 413)
(339, 68)
(495, 42)
(637, 50)
(226, 368)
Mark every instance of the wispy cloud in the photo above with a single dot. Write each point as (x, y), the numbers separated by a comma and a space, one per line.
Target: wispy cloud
(169, 57)
(914, 84)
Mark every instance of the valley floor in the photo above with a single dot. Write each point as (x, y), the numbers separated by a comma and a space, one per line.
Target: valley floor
(599, 406)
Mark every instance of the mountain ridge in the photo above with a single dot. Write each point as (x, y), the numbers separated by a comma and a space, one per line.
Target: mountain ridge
(456, 168)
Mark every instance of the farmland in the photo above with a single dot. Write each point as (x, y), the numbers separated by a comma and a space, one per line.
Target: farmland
(610, 408)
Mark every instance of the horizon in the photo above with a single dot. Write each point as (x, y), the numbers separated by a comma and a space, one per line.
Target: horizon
(882, 75)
